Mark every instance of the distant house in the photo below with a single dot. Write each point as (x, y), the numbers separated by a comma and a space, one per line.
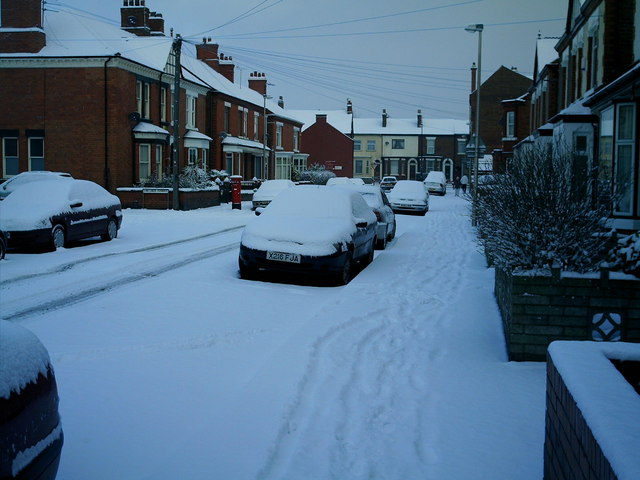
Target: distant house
(97, 100)
(503, 85)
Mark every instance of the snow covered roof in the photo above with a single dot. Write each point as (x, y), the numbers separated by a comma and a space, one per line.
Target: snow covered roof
(73, 36)
(197, 135)
(408, 126)
(546, 52)
(339, 119)
(146, 127)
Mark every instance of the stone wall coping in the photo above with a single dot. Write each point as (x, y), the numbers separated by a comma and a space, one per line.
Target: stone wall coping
(609, 404)
(546, 273)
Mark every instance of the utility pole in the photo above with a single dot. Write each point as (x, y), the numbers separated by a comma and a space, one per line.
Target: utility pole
(177, 48)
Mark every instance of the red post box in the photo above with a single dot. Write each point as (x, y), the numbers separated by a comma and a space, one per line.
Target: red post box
(236, 192)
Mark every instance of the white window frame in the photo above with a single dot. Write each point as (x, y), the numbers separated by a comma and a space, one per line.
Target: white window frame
(510, 124)
(371, 145)
(144, 161)
(283, 168)
(397, 144)
(32, 157)
(192, 156)
(159, 169)
(296, 139)
(256, 126)
(279, 127)
(357, 145)
(163, 104)
(627, 144)
(191, 110)
(6, 158)
(431, 146)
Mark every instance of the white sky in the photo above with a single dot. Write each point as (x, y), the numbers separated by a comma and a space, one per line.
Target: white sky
(423, 64)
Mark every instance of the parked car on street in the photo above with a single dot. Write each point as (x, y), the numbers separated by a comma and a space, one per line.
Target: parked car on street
(436, 182)
(377, 200)
(311, 230)
(31, 434)
(387, 183)
(52, 213)
(26, 177)
(268, 191)
(409, 196)
(344, 181)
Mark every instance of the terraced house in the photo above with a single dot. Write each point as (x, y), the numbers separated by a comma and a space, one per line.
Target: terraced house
(98, 100)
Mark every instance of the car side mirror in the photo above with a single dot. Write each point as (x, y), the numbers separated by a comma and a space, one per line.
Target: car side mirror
(76, 204)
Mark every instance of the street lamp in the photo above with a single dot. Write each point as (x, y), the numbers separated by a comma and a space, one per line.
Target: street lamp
(472, 29)
(265, 162)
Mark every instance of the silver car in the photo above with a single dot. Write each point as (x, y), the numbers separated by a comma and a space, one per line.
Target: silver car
(377, 200)
(409, 196)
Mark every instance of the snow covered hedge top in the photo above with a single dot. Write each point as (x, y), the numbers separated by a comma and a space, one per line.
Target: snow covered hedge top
(22, 358)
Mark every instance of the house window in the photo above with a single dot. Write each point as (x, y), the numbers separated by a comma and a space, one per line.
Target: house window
(511, 125)
(431, 146)
(163, 104)
(462, 146)
(300, 163)
(10, 157)
(371, 145)
(142, 98)
(394, 166)
(605, 160)
(144, 161)
(205, 159)
(193, 156)
(279, 137)
(159, 169)
(358, 167)
(296, 139)
(256, 124)
(243, 115)
(227, 114)
(397, 144)
(191, 111)
(36, 153)
(229, 163)
(624, 167)
(283, 168)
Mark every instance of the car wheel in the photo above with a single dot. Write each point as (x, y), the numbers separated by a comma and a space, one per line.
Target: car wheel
(392, 235)
(3, 247)
(369, 257)
(347, 269)
(382, 243)
(112, 231)
(57, 237)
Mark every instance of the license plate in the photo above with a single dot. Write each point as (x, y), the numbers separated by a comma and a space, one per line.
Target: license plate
(284, 257)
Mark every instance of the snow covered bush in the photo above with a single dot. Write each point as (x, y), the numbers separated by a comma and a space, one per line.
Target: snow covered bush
(316, 174)
(625, 256)
(191, 177)
(541, 214)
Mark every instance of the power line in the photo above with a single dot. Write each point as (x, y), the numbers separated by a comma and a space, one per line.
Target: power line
(242, 16)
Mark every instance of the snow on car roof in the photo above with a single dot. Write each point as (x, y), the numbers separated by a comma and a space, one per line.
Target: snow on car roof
(22, 358)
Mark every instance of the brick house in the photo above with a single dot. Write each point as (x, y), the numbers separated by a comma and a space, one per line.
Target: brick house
(99, 103)
(515, 128)
(503, 84)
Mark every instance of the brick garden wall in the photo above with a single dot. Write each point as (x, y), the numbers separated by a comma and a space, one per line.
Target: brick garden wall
(537, 310)
(570, 449)
(162, 198)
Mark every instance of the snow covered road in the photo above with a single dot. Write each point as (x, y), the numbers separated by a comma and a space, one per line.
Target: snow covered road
(194, 373)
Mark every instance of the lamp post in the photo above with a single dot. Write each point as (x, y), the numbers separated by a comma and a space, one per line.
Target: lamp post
(265, 162)
(472, 29)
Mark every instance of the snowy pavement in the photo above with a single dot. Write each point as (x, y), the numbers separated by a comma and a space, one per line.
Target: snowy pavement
(170, 366)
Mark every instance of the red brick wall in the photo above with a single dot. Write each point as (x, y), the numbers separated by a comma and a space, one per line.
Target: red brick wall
(328, 146)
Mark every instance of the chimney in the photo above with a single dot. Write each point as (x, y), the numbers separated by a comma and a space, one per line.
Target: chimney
(258, 82)
(281, 101)
(384, 117)
(208, 53)
(22, 22)
(474, 76)
(134, 17)
(419, 118)
(514, 69)
(156, 24)
(226, 67)
(321, 118)
(349, 107)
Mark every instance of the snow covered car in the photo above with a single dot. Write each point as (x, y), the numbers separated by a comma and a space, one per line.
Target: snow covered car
(27, 177)
(409, 196)
(268, 191)
(310, 230)
(52, 213)
(377, 200)
(344, 181)
(436, 182)
(31, 435)
(387, 183)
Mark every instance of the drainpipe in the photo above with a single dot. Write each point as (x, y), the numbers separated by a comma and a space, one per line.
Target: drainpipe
(106, 126)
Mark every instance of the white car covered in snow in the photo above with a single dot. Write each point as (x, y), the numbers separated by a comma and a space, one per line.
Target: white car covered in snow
(52, 213)
(409, 196)
(310, 230)
(268, 191)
